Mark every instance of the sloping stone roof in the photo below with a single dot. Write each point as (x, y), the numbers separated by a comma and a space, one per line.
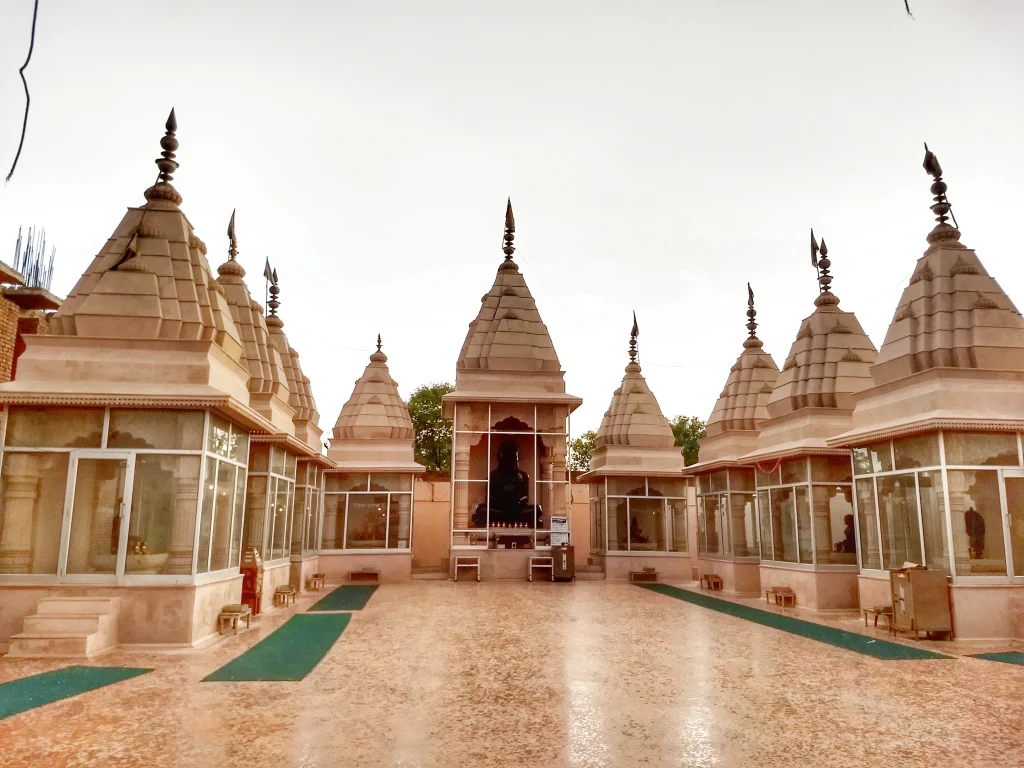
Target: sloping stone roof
(742, 404)
(634, 417)
(375, 411)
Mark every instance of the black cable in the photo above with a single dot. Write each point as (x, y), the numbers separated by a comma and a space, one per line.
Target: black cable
(28, 98)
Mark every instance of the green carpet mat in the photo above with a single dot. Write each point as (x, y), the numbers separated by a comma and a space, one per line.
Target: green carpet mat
(851, 641)
(1009, 657)
(289, 653)
(30, 692)
(350, 597)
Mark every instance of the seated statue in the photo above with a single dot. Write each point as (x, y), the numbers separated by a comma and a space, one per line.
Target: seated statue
(509, 492)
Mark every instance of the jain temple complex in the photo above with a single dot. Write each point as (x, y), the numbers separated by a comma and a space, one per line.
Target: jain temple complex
(162, 459)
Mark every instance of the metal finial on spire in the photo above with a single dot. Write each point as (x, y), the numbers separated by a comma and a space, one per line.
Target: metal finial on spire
(941, 206)
(233, 247)
(166, 163)
(751, 313)
(632, 339)
(824, 278)
(378, 342)
(510, 232)
(274, 292)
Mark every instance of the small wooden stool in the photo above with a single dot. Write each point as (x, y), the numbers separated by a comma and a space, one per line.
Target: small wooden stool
(879, 610)
(316, 581)
(781, 595)
(711, 581)
(467, 562)
(284, 594)
(367, 575)
(647, 574)
(229, 616)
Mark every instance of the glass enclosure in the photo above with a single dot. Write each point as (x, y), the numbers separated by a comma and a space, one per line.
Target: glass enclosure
(639, 514)
(510, 487)
(921, 498)
(268, 505)
(726, 520)
(100, 494)
(367, 511)
(805, 511)
(308, 510)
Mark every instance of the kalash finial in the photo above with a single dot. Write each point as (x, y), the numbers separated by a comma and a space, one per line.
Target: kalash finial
(821, 262)
(378, 356)
(231, 267)
(941, 206)
(752, 341)
(378, 342)
(275, 291)
(510, 235)
(632, 345)
(163, 190)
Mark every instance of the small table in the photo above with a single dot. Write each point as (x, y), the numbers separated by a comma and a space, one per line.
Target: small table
(879, 610)
(316, 581)
(711, 581)
(373, 576)
(230, 614)
(467, 562)
(541, 562)
(644, 575)
(781, 595)
(284, 594)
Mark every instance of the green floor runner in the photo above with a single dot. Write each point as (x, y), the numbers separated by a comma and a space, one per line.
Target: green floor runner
(1009, 657)
(289, 653)
(350, 597)
(30, 692)
(851, 641)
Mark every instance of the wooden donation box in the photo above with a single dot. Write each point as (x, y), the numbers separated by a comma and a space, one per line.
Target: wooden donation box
(252, 579)
(563, 563)
(920, 601)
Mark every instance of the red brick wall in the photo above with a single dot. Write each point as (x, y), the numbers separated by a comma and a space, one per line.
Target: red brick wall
(8, 337)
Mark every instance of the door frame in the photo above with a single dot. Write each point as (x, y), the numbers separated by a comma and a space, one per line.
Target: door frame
(1011, 567)
(125, 512)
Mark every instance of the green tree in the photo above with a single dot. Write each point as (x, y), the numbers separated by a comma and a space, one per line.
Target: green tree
(433, 432)
(580, 451)
(689, 430)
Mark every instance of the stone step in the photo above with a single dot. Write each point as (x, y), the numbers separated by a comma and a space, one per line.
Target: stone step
(79, 605)
(65, 623)
(589, 575)
(50, 645)
(429, 575)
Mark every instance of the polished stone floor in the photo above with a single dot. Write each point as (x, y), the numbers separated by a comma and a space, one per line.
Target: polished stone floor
(435, 673)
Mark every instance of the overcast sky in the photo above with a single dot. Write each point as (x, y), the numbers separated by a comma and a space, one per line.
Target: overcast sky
(658, 154)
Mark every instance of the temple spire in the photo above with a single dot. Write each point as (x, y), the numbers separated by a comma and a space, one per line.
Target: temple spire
(510, 232)
(751, 313)
(941, 207)
(378, 356)
(233, 247)
(632, 341)
(378, 342)
(824, 278)
(163, 189)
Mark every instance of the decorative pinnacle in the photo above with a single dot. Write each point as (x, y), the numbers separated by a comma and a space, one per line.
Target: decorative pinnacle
(510, 232)
(632, 339)
(378, 342)
(751, 313)
(824, 278)
(233, 248)
(941, 206)
(274, 292)
(169, 143)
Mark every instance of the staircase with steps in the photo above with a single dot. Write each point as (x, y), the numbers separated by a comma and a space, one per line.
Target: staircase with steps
(76, 627)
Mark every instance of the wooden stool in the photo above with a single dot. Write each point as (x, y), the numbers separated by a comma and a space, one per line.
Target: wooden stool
(316, 581)
(647, 574)
(879, 610)
(781, 595)
(467, 562)
(284, 594)
(230, 614)
(711, 581)
(366, 575)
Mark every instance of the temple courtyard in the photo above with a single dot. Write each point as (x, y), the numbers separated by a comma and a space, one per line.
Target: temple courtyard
(439, 673)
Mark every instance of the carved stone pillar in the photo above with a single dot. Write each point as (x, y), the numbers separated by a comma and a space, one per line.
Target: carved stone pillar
(460, 492)
(404, 519)
(20, 492)
(183, 525)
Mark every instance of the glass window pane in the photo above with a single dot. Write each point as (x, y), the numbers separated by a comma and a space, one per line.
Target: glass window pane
(400, 517)
(677, 510)
(794, 470)
(54, 427)
(276, 460)
(868, 525)
(831, 469)
(702, 538)
(181, 430)
(743, 525)
(712, 523)
(259, 460)
(897, 513)
(282, 513)
(647, 525)
(739, 480)
(933, 521)
(917, 451)
(206, 520)
(719, 481)
(32, 488)
(618, 525)
(401, 482)
(219, 441)
(238, 448)
(783, 525)
(986, 449)
(301, 510)
(289, 465)
(334, 522)
(769, 474)
(342, 481)
(872, 458)
(835, 538)
(666, 486)
(96, 520)
(626, 486)
(239, 515)
(977, 522)
(367, 520)
(803, 525)
(1015, 506)
(162, 523)
(764, 514)
(256, 513)
(222, 524)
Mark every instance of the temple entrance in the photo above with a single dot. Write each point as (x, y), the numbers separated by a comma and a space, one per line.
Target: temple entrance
(95, 537)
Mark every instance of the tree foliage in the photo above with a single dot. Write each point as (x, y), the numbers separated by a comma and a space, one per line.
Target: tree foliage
(433, 432)
(580, 452)
(689, 430)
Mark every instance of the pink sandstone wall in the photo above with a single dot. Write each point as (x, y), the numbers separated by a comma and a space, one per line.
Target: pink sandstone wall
(431, 525)
(738, 578)
(981, 613)
(392, 566)
(300, 571)
(208, 601)
(821, 590)
(274, 576)
(873, 590)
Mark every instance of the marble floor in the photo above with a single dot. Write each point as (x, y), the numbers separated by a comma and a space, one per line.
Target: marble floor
(433, 673)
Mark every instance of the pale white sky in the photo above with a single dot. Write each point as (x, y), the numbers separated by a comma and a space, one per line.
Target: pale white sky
(659, 155)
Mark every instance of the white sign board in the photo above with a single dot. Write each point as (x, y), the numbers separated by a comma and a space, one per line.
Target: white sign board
(559, 530)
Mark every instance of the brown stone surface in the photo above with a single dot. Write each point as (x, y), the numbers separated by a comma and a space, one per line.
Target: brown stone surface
(515, 674)
(8, 337)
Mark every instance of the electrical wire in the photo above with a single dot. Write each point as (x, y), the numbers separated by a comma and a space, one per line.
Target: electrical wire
(24, 82)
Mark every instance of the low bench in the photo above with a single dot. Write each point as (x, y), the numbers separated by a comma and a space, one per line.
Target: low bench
(367, 575)
(781, 595)
(229, 616)
(647, 574)
(541, 562)
(467, 562)
(712, 581)
(879, 610)
(283, 594)
(316, 581)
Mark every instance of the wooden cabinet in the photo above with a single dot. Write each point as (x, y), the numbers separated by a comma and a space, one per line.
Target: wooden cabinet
(920, 601)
